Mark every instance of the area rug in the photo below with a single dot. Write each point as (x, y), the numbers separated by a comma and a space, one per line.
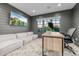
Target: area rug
(34, 48)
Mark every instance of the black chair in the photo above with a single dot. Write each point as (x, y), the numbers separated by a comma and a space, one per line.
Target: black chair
(69, 39)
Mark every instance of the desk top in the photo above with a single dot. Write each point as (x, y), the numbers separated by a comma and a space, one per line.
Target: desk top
(53, 34)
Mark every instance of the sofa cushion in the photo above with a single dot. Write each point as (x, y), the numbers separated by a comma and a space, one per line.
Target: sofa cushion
(26, 40)
(30, 33)
(7, 37)
(8, 46)
(9, 42)
(21, 35)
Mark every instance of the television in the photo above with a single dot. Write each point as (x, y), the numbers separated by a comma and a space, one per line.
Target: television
(17, 19)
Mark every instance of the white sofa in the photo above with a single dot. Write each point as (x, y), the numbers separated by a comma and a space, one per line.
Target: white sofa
(10, 42)
(26, 37)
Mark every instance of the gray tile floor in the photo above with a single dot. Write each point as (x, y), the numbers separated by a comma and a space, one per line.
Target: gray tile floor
(34, 48)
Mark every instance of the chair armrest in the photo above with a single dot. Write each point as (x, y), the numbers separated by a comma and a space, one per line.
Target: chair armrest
(66, 34)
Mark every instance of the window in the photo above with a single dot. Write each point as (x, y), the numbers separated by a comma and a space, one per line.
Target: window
(56, 22)
(44, 22)
(39, 23)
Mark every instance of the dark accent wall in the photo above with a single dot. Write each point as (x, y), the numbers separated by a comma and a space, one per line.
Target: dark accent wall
(5, 28)
(76, 21)
(76, 15)
(65, 22)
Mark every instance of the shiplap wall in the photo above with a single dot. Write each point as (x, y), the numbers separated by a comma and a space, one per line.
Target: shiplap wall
(5, 28)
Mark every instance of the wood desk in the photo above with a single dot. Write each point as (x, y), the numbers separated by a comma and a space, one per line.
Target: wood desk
(53, 41)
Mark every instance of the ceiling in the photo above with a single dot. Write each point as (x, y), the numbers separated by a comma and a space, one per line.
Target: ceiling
(34, 9)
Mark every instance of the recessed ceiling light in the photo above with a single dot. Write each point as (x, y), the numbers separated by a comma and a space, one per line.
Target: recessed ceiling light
(33, 11)
(59, 4)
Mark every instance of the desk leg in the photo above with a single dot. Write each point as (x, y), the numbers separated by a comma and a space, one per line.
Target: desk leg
(43, 47)
(62, 47)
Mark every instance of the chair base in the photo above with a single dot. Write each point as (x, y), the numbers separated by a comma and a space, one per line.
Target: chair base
(70, 48)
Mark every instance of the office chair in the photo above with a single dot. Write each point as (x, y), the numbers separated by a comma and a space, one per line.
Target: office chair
(69, 39)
